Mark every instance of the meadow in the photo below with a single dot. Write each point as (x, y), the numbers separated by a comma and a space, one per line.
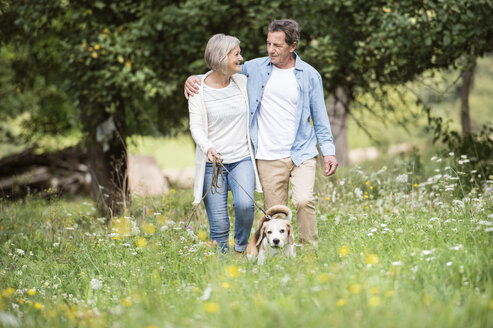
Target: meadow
(405, 242)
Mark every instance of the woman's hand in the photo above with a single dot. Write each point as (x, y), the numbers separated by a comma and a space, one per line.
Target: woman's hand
(212, 155)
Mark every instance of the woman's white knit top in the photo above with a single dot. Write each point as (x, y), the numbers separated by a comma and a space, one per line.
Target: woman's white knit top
(227, 119)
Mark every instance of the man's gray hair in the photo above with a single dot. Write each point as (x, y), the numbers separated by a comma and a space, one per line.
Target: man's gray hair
(217, 50)
(289, 27)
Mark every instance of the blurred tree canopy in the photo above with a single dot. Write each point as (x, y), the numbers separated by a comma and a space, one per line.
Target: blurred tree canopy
(116, 68)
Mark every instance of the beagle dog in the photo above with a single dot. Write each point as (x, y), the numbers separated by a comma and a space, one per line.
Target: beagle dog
(274, 235)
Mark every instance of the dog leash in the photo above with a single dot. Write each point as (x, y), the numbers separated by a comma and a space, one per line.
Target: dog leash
(215, 188)
(253, 200)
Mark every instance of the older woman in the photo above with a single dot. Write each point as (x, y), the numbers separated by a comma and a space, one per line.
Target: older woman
(219, 126)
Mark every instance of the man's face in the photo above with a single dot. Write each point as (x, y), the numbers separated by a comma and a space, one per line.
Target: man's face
(280, 53)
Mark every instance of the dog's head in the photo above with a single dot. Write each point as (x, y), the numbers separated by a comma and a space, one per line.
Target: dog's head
(277, 232)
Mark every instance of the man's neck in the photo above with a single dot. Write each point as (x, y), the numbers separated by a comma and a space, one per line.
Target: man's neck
(288, 63)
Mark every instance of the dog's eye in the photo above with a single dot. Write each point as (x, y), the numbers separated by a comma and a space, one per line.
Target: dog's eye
(282, 231)
(269, 231)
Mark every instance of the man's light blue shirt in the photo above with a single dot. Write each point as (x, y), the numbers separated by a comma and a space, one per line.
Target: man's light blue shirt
(311, 104)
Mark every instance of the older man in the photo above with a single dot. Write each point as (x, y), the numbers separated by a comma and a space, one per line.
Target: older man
(284, 93)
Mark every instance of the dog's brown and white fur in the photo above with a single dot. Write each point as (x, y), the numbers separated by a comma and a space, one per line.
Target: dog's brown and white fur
(274, 236)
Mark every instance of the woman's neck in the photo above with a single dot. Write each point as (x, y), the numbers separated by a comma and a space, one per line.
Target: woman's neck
(217, 80)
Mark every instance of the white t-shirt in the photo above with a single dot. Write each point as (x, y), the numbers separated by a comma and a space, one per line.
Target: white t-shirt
(277, 115)
(227, 121)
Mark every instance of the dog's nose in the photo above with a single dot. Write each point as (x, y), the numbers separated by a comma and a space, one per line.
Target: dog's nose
(275, 241)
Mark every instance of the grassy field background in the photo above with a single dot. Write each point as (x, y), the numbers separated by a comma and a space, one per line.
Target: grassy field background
(401, 244)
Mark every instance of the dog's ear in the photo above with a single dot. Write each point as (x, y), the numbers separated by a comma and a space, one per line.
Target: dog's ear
(257, 234)
(263, 230)
(290, 234)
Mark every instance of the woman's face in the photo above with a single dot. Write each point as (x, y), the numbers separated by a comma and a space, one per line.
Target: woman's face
(234, 60)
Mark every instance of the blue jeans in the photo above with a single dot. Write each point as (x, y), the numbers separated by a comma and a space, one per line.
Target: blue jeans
(216, 204)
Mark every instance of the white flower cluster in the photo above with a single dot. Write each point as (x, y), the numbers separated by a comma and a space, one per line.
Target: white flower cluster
(96, 284)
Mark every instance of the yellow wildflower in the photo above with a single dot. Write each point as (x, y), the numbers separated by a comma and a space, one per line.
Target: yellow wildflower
(371, 258)
(126, 302)
(225, 285)
(6, 293)
(211, 307)
(149, 229)
(341, 302)
(355, 288)
(38, 306)
(202, 235)
(374, 301)
(142, 242)
(31, 292)
(323, 277)
(343, 251)
(232, 271)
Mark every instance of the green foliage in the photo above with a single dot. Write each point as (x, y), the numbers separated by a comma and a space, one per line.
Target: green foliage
(129, 59)
(395, 249)
(363, 44)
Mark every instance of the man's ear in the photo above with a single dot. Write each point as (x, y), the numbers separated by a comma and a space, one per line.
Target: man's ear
(293, 46)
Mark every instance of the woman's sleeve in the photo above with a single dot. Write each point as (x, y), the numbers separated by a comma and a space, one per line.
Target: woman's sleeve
(197, 124)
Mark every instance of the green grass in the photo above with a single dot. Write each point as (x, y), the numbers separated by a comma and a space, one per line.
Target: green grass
(392, 252)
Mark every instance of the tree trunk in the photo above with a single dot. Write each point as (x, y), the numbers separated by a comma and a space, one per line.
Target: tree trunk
(467, 79)
(107, 159)
(338, 109)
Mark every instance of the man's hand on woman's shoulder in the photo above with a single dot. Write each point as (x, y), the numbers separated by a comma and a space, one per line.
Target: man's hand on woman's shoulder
(191, 86)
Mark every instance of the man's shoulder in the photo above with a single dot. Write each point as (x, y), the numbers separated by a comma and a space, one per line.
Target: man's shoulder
(309, 69)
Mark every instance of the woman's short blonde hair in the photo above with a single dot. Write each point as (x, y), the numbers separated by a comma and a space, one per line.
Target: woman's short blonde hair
(217, 50)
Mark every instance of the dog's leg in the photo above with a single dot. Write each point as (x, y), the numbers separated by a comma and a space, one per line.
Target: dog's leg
(291, 250)
(261, 257)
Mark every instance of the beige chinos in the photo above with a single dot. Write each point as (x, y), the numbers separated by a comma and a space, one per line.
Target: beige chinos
(275, 176)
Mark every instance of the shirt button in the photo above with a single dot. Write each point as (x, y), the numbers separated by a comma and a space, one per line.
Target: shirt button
(262, 87)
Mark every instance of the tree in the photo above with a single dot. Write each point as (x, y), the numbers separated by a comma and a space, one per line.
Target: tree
(465, 89)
